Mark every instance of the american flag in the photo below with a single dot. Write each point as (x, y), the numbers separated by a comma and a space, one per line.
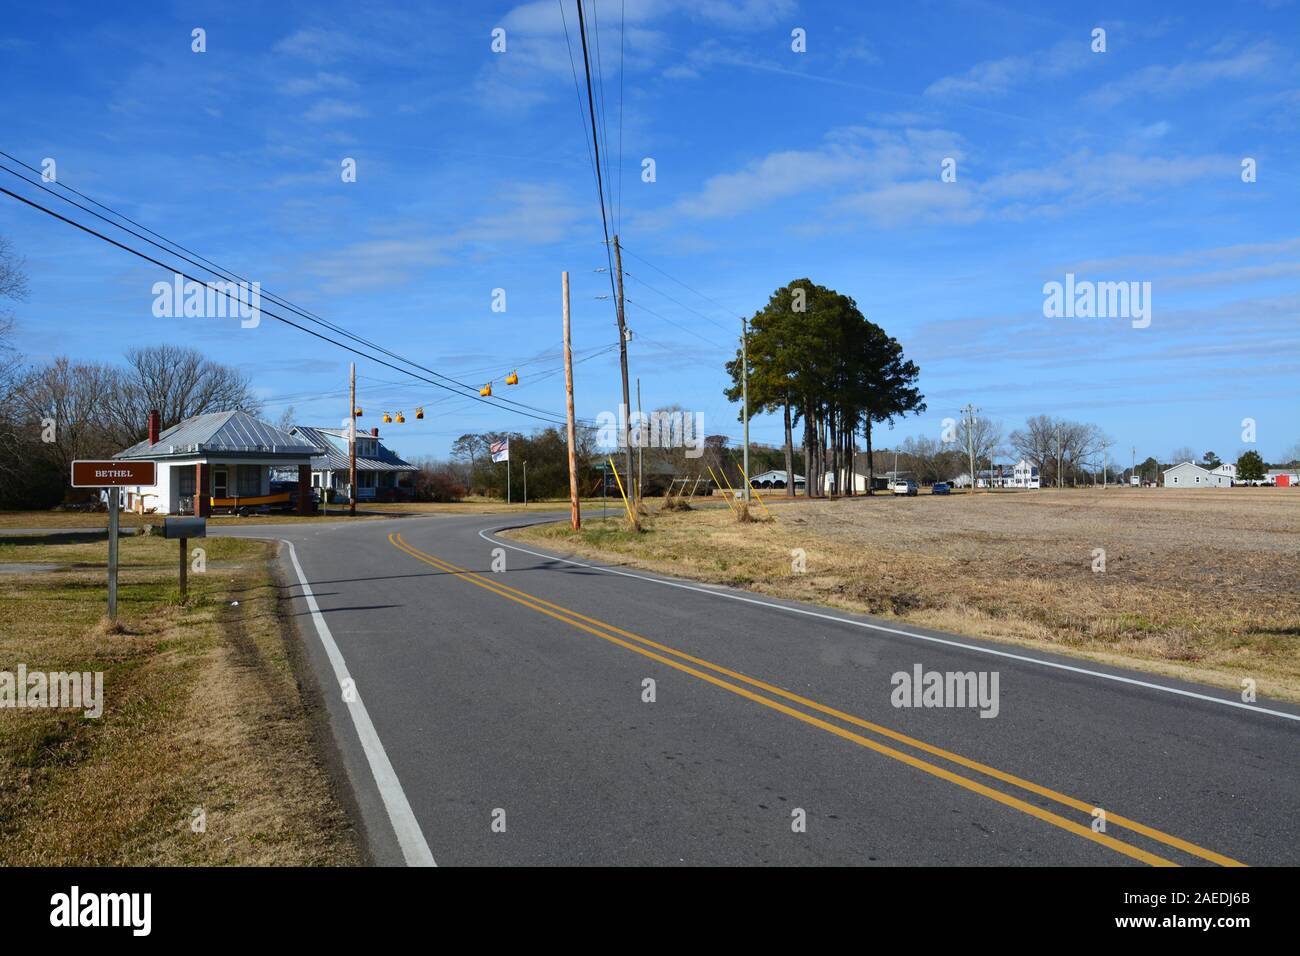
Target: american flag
(500, 450)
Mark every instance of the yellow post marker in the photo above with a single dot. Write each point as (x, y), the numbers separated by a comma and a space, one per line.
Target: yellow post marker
(718, 484)
(626, 506)
(758, 496)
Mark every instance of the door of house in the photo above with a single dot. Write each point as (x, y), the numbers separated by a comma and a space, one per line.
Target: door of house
(220, 484)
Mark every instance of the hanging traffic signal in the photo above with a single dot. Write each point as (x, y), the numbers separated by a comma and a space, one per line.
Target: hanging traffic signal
(513, 378)
(400, 418)
(486, 390)
(387, 417)
(419, 412)
(357, 411)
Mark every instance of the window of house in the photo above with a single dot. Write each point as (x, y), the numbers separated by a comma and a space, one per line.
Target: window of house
(185, 481)
(248, 480)
(365, 479)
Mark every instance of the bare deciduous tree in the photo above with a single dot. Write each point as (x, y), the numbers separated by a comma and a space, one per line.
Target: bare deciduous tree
(180, 383)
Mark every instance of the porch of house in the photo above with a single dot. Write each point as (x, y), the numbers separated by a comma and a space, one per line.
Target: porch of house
(231, 486)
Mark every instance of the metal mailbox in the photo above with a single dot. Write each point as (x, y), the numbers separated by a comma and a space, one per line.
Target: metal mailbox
(185, 527)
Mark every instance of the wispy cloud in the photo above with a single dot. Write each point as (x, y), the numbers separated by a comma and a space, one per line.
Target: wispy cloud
(1186, 77)
(999, 76)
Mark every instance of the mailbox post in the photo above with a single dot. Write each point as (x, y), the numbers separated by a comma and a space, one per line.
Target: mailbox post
(184, 529)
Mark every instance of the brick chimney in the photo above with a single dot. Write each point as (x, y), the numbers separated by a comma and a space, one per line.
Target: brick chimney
(374, 431)
(155, 421)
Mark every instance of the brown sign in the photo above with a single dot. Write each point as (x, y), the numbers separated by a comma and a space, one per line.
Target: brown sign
(113, 474)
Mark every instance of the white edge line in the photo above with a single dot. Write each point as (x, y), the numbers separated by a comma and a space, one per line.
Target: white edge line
(892, 630)
(409, 836)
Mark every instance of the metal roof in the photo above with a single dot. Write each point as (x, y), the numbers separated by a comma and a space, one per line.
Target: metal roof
(335, 459)
(221, 433)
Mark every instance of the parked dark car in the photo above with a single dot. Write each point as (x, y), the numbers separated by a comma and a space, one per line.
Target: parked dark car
(941, 488)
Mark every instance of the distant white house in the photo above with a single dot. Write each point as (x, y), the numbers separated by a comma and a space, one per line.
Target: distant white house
(1283, 477)
(1024, 474)
(776, 479)
(1227, 470)
(1191, 475)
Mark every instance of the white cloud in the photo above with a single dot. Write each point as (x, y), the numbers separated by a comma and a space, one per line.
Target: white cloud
(329, 110)
(526, 213)
(321, 82)
(997, 77)
(1184, 77)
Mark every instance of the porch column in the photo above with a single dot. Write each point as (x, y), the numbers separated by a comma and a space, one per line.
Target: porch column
(304, 489)
(202, 490)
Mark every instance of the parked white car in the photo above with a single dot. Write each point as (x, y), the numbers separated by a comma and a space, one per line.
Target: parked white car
(905, 486)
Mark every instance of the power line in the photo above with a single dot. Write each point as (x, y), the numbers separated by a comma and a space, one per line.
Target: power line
(553, 420)
(706, 298)
(591, 109)
(706, 318)
(684, 328)
(197, 260)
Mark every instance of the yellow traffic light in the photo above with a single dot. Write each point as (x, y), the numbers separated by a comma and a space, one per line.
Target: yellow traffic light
(387, 417)
(357, 411)
(513, 378)
(486, 390)
(400, 418)
(419, 412)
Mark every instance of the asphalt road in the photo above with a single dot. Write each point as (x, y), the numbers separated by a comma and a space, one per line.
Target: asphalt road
(500, 717)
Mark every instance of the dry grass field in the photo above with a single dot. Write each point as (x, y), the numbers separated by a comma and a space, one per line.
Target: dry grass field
(1198, 584)
(201, 711)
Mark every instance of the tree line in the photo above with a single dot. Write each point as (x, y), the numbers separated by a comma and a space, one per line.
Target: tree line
(54, 412)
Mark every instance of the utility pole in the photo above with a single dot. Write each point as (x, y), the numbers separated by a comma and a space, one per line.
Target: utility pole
(1133, 464)
(575, 515)
(352, 439)
(622, 353)
(640, 442)
(744, 379)
(525, 482)
(1060, 460)
(969, 413)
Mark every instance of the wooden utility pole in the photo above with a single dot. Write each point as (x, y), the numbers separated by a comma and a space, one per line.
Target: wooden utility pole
(969, 411)
(744, 378)
(352, 439)
(640, 442)
(575, 513)
(622, 354)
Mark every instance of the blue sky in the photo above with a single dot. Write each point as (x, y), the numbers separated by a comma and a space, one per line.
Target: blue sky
(473, 174)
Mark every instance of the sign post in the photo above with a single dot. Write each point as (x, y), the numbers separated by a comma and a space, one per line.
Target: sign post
(112, 553)
(113, 475)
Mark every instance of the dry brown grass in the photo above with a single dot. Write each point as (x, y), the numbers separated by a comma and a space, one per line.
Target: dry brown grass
(202, 710)
(1199, 584)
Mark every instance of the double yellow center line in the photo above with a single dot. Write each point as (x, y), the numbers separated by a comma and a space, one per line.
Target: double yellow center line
(709, 672)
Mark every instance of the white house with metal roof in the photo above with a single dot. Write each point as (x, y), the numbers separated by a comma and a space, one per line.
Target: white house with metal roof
(218, 460)
(381, 474)
(1188, 474)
